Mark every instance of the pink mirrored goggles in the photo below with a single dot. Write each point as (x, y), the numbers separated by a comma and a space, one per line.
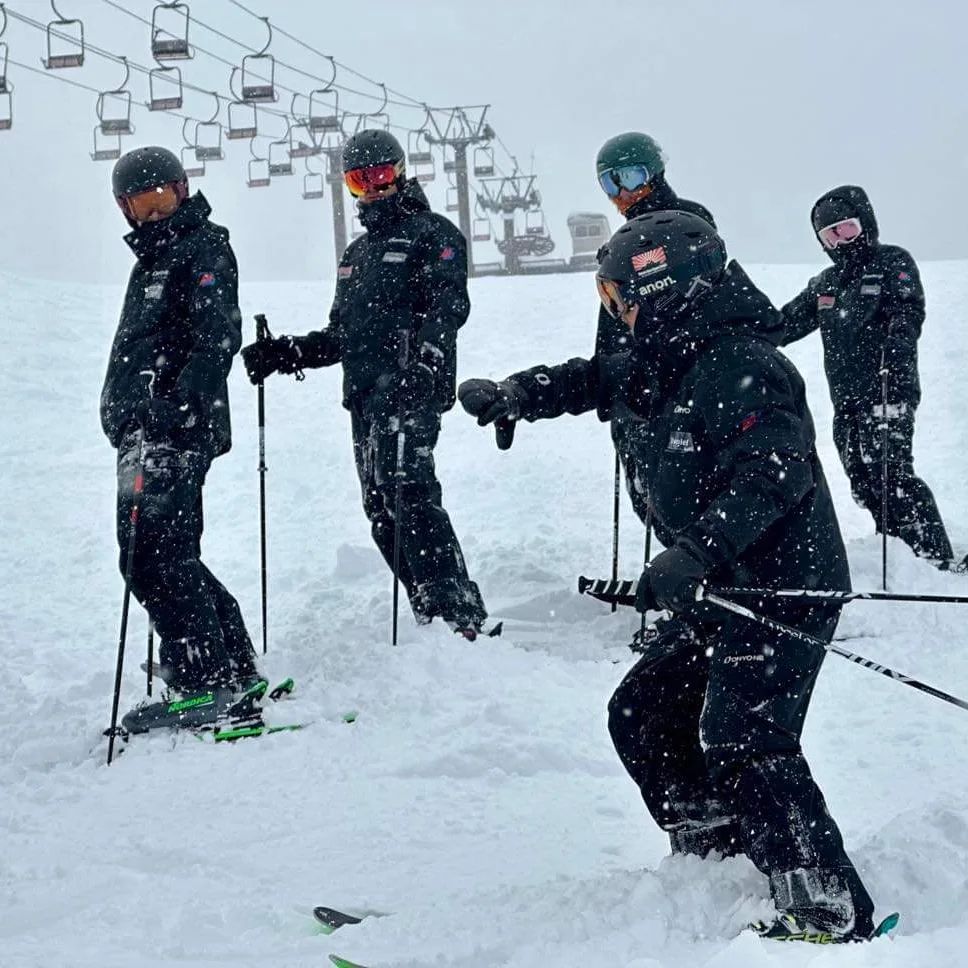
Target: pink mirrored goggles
(840, 233)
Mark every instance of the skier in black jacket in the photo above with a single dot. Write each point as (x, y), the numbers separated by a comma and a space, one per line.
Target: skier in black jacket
(166, 379)
(708, 722)
(401, 297)
(869, 307)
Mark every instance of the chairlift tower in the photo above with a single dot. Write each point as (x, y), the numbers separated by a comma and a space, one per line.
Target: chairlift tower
(506, 196)
(458, 129)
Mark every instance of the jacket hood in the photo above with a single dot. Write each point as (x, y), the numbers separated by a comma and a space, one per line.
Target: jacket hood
(148, 240)
(846, 201)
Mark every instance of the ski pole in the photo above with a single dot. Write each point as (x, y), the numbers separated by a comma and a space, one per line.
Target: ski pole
(398, 496)
(262, 335)
(616, 504)
(776, 626)
(884, 444)
(623, 593)
(150, 667)
(138, 490)
(647, 555)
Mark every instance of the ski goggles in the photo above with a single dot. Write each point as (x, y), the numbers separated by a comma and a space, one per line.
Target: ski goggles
(840, 233)
(628, 177)
(376, 178)
(161, 201)
(612, 297)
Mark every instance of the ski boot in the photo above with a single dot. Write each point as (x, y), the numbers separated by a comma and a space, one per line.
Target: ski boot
(208, 708)
(790, 926)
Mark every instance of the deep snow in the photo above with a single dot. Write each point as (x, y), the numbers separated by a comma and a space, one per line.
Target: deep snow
(477, 800)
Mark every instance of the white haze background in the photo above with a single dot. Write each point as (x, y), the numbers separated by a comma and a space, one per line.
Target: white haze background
(761, 105)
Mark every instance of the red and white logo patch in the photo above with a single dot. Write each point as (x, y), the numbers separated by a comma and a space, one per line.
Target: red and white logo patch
(653, 257)
(344, 272)
(206, 279)
(826, 302)
(447, 253)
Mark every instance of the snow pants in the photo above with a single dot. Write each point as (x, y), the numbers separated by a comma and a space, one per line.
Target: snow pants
(203, 636)
(432, 567)
(912, 514)
(708, 724)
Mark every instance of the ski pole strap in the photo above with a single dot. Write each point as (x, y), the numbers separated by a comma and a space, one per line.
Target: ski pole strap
(802, 636)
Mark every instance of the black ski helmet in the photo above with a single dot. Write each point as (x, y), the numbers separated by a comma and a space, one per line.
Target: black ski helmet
(371, 147)
(630, 148)
(663, 261)
(145, 168)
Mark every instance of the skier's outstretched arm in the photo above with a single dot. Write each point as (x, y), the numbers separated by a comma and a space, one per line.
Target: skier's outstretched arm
(800, 316)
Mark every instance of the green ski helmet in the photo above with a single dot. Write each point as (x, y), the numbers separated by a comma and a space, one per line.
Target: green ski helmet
(628, 161)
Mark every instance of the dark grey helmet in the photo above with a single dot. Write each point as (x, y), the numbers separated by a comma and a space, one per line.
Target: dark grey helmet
(371, 147)
(145, 168)
(663, 261)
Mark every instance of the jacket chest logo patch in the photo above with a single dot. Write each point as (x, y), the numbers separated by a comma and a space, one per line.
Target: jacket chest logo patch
(826, 302)
(394, 256)
(870, 290)
(870, 284)
(156, 287)
(680, 442)
(344, 272)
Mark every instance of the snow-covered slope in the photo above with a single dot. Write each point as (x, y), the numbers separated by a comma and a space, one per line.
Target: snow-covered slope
(476, 801)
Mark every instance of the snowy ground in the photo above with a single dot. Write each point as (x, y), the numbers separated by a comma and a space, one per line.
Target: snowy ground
(476, 801)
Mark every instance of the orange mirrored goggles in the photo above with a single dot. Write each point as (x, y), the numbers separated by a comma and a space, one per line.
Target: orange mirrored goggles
(610, 293)
(162, 201)
(376, 178)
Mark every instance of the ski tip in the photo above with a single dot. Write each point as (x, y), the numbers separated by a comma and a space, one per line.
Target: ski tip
(282, 690)
(887, 925)
(343, 963)
(496, 631)
(350, 716)
(330, 919)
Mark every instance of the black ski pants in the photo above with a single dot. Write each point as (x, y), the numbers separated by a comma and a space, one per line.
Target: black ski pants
(432, 566)
(912, 514)
(203, 636)
(708, 724)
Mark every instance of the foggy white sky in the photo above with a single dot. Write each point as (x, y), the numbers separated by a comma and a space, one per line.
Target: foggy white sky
(761, 105)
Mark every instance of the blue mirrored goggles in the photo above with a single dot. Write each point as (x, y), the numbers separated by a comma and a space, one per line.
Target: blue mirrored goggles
(629, 177)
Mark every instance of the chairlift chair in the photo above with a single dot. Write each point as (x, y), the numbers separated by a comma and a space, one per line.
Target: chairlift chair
(243, 121)
(170, 42)
(280, 163)
(193, 167)
(258, 173)
(114, 106)
(4, 52)
(107, 147)
(483, 162)
(6, 108)
(299, 148)
(165, 91)
(420, 159)
(208, 141)
(481, 231)
(259, 74)
(453, 199)
(313, 184)
(322, 117)
(69, 32)
(534, 222)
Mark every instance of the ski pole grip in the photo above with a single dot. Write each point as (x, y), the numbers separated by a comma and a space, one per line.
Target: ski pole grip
(583, 584)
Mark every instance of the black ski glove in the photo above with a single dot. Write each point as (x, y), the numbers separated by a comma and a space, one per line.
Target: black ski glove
(413, 385)
(278, 355)
(671, 580)
(497, 403)
(162, 418)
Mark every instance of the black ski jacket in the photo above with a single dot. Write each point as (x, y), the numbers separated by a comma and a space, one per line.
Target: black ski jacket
(718, 440)
(406, 277)
(179, 329)
(867, 307)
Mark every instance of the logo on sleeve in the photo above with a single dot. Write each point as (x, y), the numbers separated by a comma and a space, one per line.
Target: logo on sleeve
(344, 272)
(749, 421)
(904, 276)
(447, 253)
(826, 302)
(205, 280)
